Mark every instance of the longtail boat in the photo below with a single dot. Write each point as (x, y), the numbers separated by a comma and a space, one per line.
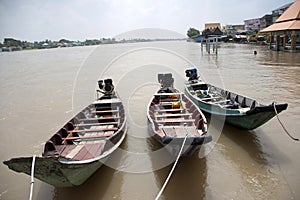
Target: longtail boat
(238, 110)
(82, 145)
(173, 118)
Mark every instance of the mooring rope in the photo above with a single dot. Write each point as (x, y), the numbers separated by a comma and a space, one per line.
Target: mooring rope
(32, 177)
(171, 172)
(286, 131)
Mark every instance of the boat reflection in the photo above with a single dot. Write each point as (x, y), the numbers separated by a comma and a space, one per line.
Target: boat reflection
(254, 170)
(105, 183)
(188, 180)
(96, 187)
(247, 140)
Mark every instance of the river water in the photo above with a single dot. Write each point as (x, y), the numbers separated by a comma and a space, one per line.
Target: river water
(41, 89)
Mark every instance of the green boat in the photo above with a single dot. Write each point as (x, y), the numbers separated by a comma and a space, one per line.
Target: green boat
(238, 110)
(82, 145)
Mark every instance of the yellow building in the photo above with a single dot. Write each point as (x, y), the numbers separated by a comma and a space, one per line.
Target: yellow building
(212, 26)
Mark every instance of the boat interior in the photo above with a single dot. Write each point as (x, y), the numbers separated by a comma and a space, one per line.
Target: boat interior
(86, 135)
(223, 98)
(173, 115)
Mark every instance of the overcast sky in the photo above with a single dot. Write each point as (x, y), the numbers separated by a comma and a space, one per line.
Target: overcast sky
(35, 20)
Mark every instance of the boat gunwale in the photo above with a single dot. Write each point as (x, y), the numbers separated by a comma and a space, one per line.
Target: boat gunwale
(123, 128)
(242, 111)
(249, 115)
(204, 134)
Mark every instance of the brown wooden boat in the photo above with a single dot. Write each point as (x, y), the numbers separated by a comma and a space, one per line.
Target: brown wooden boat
(82, 145)
(172, 116)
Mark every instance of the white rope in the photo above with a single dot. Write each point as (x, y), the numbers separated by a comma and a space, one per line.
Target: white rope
(286, 131)
(171, 172)
(32, 177)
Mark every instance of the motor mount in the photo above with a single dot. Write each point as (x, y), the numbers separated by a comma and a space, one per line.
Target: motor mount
(106, 86)
(191, 74)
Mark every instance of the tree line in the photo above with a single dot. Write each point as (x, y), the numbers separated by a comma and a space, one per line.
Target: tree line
(14, 43)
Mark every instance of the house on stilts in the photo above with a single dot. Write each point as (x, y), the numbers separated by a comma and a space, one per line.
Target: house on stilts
(284, 34)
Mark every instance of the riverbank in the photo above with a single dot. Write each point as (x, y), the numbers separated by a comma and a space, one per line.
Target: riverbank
(11, 44)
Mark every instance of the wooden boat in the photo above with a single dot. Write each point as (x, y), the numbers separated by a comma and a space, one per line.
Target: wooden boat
(172, 116)
(82, 145)
(238, 110)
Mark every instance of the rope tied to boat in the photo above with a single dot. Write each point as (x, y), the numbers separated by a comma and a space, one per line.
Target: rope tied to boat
(32, 177)
(173, 168)
(285, 130)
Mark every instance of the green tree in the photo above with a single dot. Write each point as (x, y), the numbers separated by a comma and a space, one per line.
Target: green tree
(64, 41)
(192, 32)
(9, 42)
(26, 45)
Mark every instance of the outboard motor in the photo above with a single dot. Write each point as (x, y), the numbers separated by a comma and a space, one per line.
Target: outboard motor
(166, 81)
(106, 86)
(191, 74)
(100, 84)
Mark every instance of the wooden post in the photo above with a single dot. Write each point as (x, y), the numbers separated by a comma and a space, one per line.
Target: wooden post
(217, 45)
(277, 42)
(272, 38)
(214, 44)
(293, 44)
(208, 45)
(285, 40)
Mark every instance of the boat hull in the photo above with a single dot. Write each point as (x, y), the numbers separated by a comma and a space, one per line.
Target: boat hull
(248, 120)
(60, 173)
(253, 120)
(51, 171)
(65, 164)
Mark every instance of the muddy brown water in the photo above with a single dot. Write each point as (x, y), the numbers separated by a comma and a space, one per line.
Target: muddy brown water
(41, 89)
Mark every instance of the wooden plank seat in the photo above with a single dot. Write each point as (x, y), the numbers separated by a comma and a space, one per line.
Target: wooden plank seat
(63, 150)
(180, 131)
(174, 115)
(168, 100)
(97, 124)
(83, 151)
(169, 131)
(104, 111)
(98, 119)
(175, 120)
(103, 136)
(195, 84)
(107, 133)
(106, 101)
(90, 144)
(210, 98)
(94, 130)
(166, 103)
(167, 94)
(171, 110)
